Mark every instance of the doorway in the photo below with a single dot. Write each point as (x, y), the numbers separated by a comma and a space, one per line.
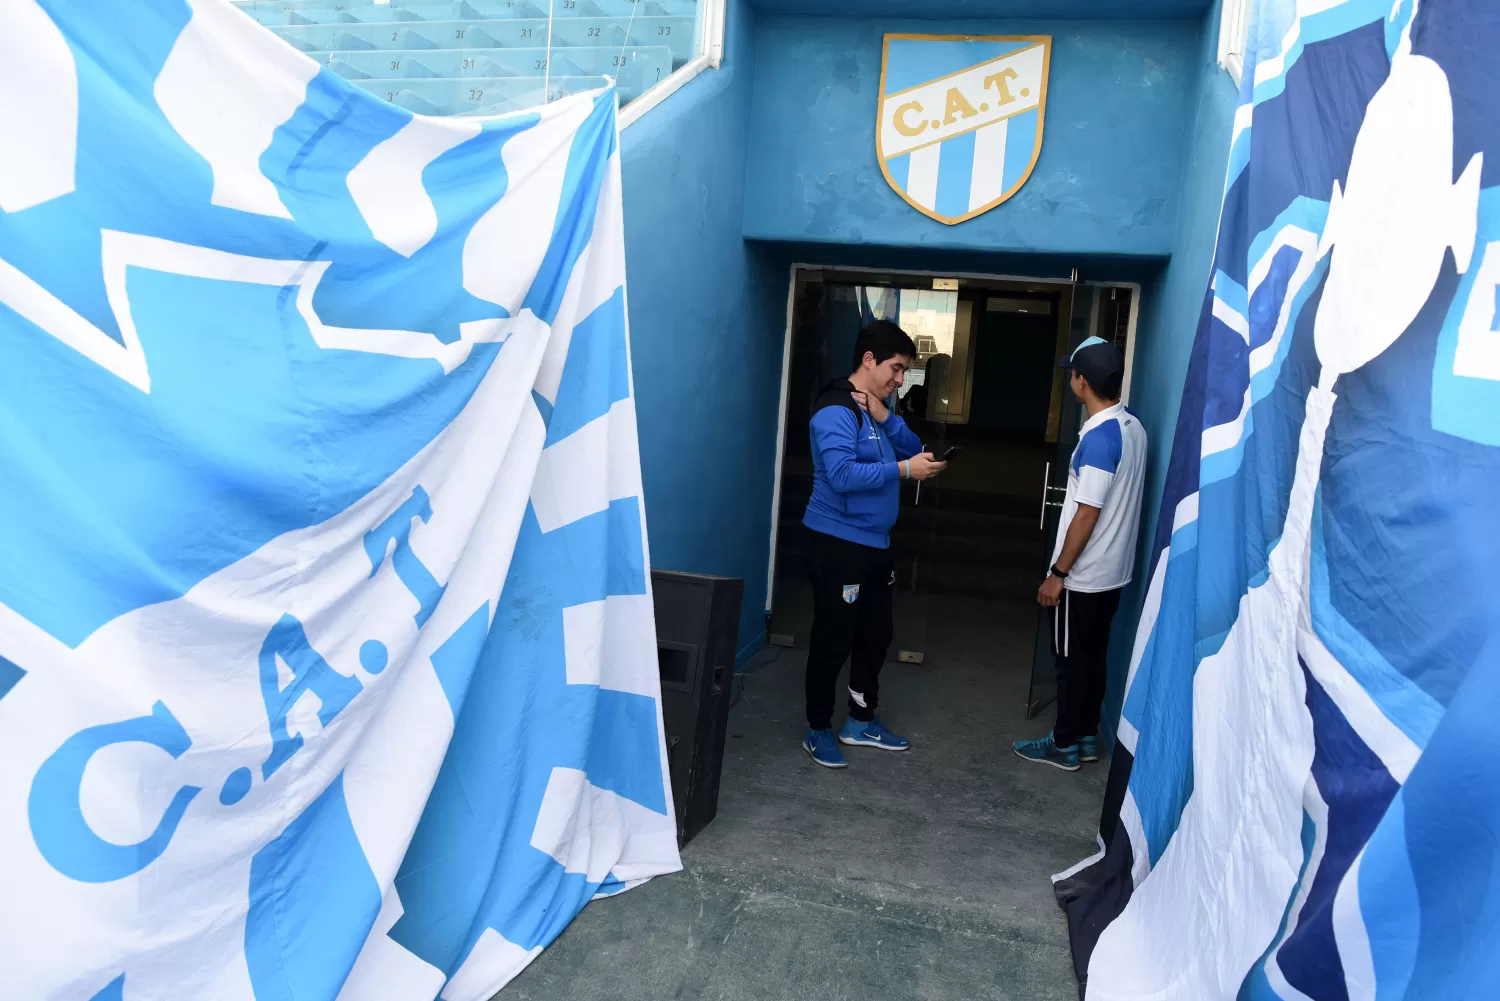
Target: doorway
(972, 544)
(804, 868)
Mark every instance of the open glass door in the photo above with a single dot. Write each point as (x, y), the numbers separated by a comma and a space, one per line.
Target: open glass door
(934, 398)
(969, 546)
(828, 315)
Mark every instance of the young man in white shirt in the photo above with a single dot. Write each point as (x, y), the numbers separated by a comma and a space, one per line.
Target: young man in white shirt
(1094, 552)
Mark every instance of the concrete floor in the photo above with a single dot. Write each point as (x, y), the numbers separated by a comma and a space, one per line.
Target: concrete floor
(906, 877)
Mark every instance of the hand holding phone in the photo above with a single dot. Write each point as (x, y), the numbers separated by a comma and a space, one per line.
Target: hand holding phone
(923, 466)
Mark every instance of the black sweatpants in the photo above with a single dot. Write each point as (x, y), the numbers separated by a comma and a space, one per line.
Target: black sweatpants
(853, 588)
(1080, 641)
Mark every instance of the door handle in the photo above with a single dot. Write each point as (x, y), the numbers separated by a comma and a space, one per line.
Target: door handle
(1047, 490)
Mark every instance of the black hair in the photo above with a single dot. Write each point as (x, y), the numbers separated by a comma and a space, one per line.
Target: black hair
(1111, 388)
(882, 339)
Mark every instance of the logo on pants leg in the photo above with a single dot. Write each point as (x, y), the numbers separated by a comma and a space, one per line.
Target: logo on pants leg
(851, 593)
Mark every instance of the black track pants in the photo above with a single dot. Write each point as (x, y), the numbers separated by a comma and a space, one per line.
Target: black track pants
(853, 588)
(1080, 639)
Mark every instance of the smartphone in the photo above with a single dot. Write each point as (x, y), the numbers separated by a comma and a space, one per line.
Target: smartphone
(952, 451)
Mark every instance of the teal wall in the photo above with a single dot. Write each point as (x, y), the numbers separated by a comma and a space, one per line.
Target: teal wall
(989, 8)
(778, 146)
(706, 324)
(1170, 306)
(1118, 94)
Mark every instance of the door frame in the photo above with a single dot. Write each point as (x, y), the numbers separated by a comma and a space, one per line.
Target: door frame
(786, 363)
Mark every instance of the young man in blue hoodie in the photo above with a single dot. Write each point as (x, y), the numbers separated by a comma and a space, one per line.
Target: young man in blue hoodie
(861, 451)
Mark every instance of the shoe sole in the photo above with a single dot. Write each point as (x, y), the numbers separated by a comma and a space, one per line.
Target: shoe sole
(1046, 761)
(1089, 760)
(825, 764)
(870, 743)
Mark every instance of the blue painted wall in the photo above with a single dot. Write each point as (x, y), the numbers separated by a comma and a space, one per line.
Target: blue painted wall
(1106, 180)
(706, 324)
(1169, 317)
(1130, 175)
(952, 9)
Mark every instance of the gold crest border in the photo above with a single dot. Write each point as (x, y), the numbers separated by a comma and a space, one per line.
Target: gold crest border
(1041, 114)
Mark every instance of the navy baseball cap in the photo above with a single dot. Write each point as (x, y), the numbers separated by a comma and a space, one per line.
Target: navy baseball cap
(1096, 360)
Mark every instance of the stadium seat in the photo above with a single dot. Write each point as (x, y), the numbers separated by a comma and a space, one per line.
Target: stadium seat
(343, 15)
(505, 9)
(675, 33)
(640, 65)
(475, 95)
(462, 57)
(624, 8)
(395, 64)
(645, 65)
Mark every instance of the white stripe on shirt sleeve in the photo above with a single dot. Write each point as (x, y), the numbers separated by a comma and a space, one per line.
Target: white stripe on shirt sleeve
(1093, 486)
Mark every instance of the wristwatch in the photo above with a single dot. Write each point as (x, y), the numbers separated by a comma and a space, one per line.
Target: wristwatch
(1059, 574)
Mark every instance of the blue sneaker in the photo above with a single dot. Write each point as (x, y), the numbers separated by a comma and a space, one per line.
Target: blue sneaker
(1088, 748)
(871, 734)
(820, 746)
(1043, 751)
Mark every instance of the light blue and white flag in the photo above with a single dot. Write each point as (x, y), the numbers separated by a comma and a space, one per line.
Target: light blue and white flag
(327, 656)
(1304, 787)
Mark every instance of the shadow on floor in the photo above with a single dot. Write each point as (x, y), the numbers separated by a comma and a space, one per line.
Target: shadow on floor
(906, 877)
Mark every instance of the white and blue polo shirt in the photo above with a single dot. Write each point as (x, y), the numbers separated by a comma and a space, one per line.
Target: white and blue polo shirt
(1108, 471)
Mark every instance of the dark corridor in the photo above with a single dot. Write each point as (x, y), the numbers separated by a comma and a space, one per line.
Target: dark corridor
(985, 380)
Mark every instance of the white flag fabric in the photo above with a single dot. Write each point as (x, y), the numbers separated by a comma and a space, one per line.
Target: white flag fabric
(1302, 799)
(327, 656)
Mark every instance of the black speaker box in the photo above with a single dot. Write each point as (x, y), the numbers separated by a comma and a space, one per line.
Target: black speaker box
(697, 624)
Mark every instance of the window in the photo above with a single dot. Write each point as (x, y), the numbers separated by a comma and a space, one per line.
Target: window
(929, 318)
(487, 57)
(1234, 31)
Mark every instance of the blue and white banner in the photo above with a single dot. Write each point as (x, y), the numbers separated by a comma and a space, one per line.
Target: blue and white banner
(327, 656)
(1304, 790)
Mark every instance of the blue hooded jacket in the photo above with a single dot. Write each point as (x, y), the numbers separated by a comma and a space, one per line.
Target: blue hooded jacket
(856, 491)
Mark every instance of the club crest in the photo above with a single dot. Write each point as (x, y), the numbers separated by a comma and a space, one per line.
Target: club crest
(960, 119)
(851, 593)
